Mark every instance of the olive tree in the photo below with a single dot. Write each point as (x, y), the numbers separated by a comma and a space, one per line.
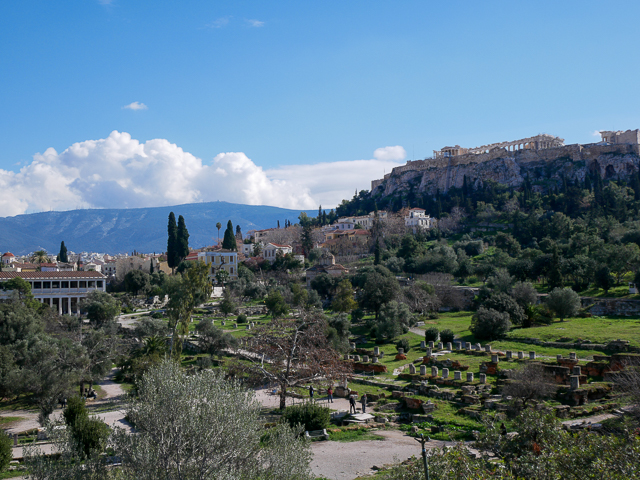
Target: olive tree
(564, 302)
(202, 426)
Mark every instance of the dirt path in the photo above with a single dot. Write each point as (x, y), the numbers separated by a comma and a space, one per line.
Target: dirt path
(113, 391)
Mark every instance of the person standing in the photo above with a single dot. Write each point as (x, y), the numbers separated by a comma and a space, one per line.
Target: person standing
(363, 401)
(352, 404)
(330, 394)
(311, 392)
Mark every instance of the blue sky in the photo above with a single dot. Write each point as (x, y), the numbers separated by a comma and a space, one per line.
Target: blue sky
(290, 88)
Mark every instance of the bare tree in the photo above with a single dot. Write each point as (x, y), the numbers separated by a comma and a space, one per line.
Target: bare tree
(627, 381)
(530, 383)
(293, 352)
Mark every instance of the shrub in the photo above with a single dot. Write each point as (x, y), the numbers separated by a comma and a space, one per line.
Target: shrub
(564, 302)
(242, 318)
(311, 415)
(431, 334)
(75, 410)
(404, 344)
(447, 335)
(91, 435)
(490, 324)
(6, 452)
(501, 302)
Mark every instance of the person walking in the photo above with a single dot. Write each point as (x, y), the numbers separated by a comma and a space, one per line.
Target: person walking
(330, 394)
(363, 401)
(311, 392)
(352, 404)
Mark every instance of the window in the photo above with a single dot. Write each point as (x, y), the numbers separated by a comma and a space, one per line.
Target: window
(92, 284)
(231, 270)
(65, 284)
(37, 284)
(55, 284)
(74, 284)
(99, 283)
(46, 284)
(83, 284)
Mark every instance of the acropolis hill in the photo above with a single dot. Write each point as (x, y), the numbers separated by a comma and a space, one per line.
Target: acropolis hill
(545, 159)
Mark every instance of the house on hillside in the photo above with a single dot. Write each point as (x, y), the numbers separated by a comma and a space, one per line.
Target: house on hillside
(218, 260)
(272, 250)
(8, 258)
(418, 220)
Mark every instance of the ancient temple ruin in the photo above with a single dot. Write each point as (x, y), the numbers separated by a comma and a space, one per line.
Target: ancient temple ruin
(539, 142)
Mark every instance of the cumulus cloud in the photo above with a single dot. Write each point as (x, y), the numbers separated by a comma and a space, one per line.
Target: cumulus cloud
(121, 172)
(395, 153)
(596, 133)
(255, 23)
(135, 106)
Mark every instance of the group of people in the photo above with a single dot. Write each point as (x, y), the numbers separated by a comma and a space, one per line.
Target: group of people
(352, 399)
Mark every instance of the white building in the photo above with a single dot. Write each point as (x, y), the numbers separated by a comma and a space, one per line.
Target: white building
(418, 220)
(272, 250)
(62, 291)
(217, 260)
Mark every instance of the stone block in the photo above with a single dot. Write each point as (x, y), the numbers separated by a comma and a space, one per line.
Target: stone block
(532, 355)
(469, 376)
(509, 354)
(440, 346)
(482, 377)
(376, 351)
(434, 371)
(449, 346)
(423, 370)
(494, 358)
(431, 345)
(412, 369)
(457, 375)
(445, 373)
(520, 355)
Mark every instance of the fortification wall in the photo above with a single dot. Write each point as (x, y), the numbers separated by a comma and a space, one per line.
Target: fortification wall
(509, 162)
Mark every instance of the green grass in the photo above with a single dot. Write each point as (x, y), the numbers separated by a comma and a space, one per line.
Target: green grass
(13, 474)
(354, 435)
(7, 420)
(595, 329)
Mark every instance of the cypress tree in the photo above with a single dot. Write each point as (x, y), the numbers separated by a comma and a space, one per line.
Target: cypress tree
(238, 233)
(229, 240)
(183, 239)
(376, 253)
(62, 256)
(172, 242)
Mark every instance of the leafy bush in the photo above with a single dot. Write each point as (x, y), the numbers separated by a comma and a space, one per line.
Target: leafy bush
(6, 452)
(447, 335)
(564, 302)
(404, 344)
(501, 302)
(431, 334)
(91, 435)
(490, 324)
(242, 318)
(311, 415)
(74, 411)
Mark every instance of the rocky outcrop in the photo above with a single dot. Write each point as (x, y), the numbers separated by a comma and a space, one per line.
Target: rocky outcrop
(542, 167)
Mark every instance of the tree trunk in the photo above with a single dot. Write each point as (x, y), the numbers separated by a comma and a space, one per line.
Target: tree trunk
(283, 396)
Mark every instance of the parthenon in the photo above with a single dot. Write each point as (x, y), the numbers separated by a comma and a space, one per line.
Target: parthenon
(539, 142)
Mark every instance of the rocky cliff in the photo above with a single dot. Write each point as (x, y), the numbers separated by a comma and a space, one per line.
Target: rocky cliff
(544, 168)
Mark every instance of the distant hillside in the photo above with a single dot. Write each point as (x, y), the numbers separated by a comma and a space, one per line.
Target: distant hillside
(124, 230)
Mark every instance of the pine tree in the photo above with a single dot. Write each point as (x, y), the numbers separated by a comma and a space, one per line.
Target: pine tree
(172, 242)
(62, 256)
(229, 240)
(183, 239)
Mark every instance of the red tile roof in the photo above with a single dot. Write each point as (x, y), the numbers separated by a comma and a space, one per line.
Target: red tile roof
(8, 254)
(38, 275)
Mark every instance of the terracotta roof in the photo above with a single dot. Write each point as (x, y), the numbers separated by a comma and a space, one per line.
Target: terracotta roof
(421, 209)
(38, 275)
(8, 254)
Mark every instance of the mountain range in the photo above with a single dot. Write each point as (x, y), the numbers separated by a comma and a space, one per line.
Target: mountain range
(124, 230)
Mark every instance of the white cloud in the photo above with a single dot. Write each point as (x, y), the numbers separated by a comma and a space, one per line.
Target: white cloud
(135, 106)
(255, 23)
(219, 22)
(596, 133)
(390, 153)
(121, 172)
